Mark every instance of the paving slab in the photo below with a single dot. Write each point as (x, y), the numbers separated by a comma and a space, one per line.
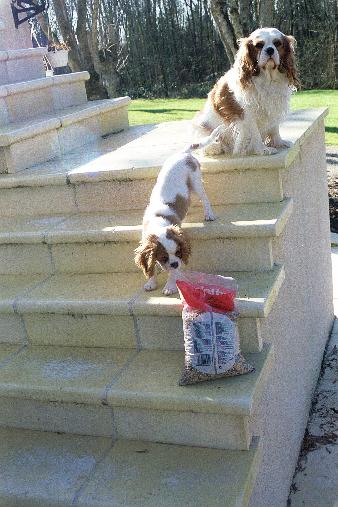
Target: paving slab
(41, 469)
(143, 474)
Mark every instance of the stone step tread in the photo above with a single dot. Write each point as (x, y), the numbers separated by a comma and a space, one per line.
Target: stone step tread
(139, 152)
(233, 221)
(41, 468)
(122, 293)
(17, 54)
(43, 82)
(26, 129)
(124, 378)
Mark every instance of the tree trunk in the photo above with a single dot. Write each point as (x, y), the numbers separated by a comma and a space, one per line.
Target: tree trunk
(266, 13)
(219, 13)
(80, 57)
(95, 36)
(235, 18)
(67, 34)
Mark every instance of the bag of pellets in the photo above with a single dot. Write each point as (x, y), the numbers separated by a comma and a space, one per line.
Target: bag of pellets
(211, 338)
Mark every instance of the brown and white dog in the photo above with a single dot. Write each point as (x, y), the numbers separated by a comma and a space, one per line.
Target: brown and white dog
(163, 241)
(252, 98)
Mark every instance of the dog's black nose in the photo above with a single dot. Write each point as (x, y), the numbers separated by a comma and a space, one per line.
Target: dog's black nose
(270, 51)
(174, 265)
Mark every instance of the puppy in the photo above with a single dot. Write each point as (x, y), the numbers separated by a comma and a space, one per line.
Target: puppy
(163, 241)
(252, 98)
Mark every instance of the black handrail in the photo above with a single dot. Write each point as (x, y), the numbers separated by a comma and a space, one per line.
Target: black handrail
(29, 7)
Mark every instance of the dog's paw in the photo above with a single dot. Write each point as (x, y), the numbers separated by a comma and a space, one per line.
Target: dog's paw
(150, 285)
(268, 150)
(209, 217)
(278, 143)
(213, 149)
(282, 144)
(169, 289)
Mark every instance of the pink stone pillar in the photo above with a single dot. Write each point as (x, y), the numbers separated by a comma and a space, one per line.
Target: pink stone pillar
(11, 37)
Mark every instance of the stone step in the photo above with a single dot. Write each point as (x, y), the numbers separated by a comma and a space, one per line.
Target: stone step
(112, 310)
(118, 173)
(141, 388)
(31, 99)
(21, 65)
(29, 142)
(240, 239)
(48, 469)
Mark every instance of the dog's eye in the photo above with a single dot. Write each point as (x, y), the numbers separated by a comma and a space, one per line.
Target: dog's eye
(259, 45)
(178, 253)
(277, 43)
(163, 258)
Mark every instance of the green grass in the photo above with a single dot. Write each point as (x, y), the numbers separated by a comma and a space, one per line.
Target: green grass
(144, 111)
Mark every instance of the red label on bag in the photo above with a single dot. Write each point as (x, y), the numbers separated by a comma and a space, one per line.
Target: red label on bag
(206, 297)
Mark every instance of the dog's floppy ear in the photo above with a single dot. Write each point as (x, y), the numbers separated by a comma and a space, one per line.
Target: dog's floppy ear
(287, 60)
(145, 255)
(246, 61)
(175, 233)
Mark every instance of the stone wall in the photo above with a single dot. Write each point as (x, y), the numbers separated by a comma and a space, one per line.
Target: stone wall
(11, 37)
(299, 325)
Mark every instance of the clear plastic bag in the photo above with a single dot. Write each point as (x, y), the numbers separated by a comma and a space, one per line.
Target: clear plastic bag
(211, 339)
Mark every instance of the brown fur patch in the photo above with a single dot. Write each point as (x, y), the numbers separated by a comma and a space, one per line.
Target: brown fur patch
(192, 162)
(248, 62)
(224, 101)
(161, 254)
(287, 60)
(179, 206)
(145, 255)
(172, 219)
(175, 233)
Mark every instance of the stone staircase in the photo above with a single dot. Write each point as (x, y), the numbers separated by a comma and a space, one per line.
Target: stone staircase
(91, 412)
(41, 117)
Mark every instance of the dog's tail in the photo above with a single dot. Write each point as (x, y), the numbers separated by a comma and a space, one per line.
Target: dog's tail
(214, 137)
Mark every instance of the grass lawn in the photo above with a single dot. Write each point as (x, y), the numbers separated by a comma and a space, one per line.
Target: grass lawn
(158, 110)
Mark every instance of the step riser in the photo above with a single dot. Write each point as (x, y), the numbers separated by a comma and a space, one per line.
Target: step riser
(47, 146)
(33, 103)
(120, 331)
(213, 255)
(56, 417)
(32, 201)
(28, 152)
(21, 69)
(104, 196)
(234, 187)
(185, 428)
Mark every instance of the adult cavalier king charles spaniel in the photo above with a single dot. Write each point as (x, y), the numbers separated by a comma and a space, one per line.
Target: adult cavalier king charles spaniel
(252, 98)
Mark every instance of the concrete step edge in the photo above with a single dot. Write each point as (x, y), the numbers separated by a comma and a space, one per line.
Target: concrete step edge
(27, 129)
(63, 229)
(18, 54)
(146, 380)
(88, 172)
(44, 82)
(123, 294)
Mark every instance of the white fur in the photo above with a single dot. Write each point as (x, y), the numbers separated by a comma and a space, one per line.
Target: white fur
(265, 105)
